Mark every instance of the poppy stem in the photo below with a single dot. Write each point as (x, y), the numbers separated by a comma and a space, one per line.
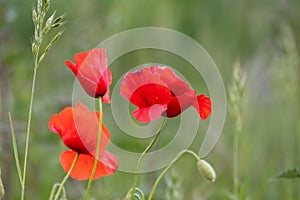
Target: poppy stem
(97, 150)
(61, 186)
(168, 168)
(136, 176)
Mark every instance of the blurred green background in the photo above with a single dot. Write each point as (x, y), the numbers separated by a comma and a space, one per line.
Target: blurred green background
(263, 35)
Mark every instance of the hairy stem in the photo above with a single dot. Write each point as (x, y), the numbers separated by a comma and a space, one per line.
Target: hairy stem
(168, 168)
(136, 176)
(97, 150)
(61, 186)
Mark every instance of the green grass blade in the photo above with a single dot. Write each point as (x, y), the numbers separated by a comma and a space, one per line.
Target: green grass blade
(15, 148)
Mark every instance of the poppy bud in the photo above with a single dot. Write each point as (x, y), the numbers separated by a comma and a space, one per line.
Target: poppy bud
(206, 170)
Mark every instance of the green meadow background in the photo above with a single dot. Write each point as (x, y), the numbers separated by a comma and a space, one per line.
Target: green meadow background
(263, 35)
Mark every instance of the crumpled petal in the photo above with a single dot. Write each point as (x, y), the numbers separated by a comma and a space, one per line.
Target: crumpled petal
(147, 114)
(152, 88)
(203, 106)
(178, 104)
(84, 165)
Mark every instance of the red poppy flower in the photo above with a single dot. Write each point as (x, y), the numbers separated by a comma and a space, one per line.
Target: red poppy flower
(78, 129)
(158, 91)
(92, 72)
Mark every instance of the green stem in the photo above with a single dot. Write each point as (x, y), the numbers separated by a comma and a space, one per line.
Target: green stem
(136, 176)
(66, 178)
(168, 168)
(53, 190)
(97, 150)
(28, 126)
(15, 148)
(236, 160)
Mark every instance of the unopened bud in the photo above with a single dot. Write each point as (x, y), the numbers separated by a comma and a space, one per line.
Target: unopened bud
(207, 170)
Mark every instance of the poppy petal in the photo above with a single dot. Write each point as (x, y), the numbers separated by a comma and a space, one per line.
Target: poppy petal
(203, 106)
(144, 88)
(147, 114)
(108, 77)
(150, 94)
(78, 128)
(72, 66)
(157, 85)
(79, 57)
(178, 104)
(83, 167)
(92, 72)
(174, 82)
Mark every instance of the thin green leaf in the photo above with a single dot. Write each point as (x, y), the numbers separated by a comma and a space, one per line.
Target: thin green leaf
(15, 148)
(289, 174)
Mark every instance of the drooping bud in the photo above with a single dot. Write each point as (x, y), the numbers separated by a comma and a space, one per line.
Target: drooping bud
(206, 170)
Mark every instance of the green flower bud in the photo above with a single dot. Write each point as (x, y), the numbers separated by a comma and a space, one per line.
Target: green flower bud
(207, 170)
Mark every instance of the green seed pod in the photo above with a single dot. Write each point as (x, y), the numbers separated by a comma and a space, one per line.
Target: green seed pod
(207, 170)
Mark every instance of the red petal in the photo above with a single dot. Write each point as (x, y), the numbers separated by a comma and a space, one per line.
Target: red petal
(144, 88)
(79, 58)
(177, 86)
(150, 94)
(92, 72)
(179, 104)
(108, 77)
(203, 106)
(78, 128)
(84, 165)
(72, 66)
(158, 85)
(147, 114)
